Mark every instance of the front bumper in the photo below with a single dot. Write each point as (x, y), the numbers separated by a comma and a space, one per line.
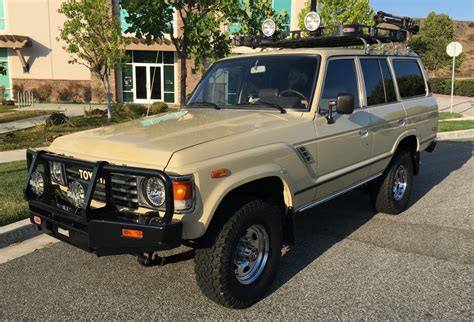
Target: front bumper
(101, 230)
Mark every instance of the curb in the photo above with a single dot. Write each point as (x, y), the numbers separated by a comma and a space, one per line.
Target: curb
(455, 96)
(17, 232)
(463, 134)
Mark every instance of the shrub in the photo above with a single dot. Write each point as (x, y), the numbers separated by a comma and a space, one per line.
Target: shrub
(158, 107)
(56, 118)
(135, 109)
(471, 37)
(8, 102)
(471, 24)
(462, 87)
(95, 112)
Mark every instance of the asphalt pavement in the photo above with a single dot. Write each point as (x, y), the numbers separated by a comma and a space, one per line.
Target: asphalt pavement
(348, 263)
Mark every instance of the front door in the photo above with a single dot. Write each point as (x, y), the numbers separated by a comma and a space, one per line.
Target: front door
(148, 84)
(344, 147)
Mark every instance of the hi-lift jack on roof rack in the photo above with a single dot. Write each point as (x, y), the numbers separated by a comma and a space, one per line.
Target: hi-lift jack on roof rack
(337, 36)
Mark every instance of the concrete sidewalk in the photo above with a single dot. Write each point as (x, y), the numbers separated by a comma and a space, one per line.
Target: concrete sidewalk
(10, 156)
(461, 104)
(22, 124)
(70, 110)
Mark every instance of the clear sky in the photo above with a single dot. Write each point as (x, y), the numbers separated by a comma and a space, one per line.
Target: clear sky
(456, 9)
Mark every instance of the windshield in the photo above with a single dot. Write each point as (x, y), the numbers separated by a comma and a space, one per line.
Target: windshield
(286, 81)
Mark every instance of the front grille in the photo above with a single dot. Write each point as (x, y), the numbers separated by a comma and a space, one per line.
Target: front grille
(124, 187)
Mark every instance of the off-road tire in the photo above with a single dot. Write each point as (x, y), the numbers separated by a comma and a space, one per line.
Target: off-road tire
(214, 265)
(381, 189)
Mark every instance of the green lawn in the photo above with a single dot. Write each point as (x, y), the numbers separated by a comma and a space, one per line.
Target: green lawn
(42, 135)
(447, 126)
(7, 108)
(12, 205)
(20, 115)
(449, 115)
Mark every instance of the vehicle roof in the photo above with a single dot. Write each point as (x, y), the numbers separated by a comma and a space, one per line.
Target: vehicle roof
(324, 51)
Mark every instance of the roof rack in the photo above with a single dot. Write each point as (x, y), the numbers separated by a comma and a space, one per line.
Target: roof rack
(339, 35)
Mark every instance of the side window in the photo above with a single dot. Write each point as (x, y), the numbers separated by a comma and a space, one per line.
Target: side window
(341, 78)
(374, 86)
(409, 78)
(388, 81)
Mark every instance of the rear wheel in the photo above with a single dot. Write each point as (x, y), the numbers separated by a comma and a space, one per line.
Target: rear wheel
(238, 268)
(391, 192)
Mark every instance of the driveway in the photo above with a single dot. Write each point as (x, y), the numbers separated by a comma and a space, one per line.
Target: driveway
(349, 263)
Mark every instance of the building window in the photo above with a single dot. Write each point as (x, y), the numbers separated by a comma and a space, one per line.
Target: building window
(5, 79)
(2, 15)
(149, 76)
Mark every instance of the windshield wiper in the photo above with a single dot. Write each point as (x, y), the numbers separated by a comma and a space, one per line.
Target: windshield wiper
(205, 104)
(274, 105)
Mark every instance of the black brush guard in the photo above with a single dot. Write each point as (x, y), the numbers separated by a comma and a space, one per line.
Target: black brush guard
(99, 230)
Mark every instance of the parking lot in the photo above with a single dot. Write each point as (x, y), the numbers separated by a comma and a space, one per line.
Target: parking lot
(348, 263)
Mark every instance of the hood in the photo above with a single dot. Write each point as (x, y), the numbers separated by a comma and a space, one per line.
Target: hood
(151, 141)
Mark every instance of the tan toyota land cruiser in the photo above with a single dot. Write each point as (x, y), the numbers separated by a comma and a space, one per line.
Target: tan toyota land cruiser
(263, 137)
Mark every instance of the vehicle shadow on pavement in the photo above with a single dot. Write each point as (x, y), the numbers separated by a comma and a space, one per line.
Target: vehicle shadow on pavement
(321, 227)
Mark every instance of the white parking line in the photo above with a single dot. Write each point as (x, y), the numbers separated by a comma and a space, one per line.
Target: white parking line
(26, 247)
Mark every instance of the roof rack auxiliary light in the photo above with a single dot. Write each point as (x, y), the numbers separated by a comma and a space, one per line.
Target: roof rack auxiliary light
(268, 27)
(312, 21)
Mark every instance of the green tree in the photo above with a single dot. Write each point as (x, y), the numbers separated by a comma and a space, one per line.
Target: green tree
(94, 39)
(436, 32)
(254, 12)
(336, 12)
(200, 35)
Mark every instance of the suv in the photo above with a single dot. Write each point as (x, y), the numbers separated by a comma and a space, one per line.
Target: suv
(263, 137)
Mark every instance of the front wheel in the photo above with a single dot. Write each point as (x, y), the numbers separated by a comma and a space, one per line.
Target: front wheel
(238, 269)
(391, 192)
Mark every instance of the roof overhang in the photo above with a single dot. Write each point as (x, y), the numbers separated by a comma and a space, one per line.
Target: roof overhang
(14, 41)
(141, 44)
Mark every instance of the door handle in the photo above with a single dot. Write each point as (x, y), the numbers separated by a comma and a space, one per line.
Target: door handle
(401, 122)
(363, 133)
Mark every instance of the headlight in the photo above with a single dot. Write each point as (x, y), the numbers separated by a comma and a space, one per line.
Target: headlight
(76, 194)
(57, 172)
(312, 21)
(37, 181)
(268, 27)
(153, 191)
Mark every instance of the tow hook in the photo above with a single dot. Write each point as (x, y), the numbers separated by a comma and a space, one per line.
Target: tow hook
(153, 259)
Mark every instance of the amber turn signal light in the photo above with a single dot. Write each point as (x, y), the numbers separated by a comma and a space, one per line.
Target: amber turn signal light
(132, 233)
(219, 173)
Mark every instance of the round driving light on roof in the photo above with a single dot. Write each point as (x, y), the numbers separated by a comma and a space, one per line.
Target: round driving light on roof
(312, 21)
(76, 194)
(154, 191)
(37, 181)
(268, 27)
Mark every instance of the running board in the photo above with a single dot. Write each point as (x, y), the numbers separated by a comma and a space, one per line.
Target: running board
(337, 193)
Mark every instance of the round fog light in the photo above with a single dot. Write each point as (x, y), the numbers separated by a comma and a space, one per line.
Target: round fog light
(312, 21)
(268, 27)
(37, 181)
(76, 194)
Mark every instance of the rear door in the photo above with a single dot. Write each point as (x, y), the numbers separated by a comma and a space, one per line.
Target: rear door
(388, 117)
(344, 147)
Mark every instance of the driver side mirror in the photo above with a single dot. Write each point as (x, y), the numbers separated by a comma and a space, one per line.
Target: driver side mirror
(344, 104)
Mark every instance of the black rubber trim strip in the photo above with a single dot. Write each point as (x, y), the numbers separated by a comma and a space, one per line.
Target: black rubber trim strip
(339, 176)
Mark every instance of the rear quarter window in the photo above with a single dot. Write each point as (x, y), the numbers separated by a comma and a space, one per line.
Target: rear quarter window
(409, 78)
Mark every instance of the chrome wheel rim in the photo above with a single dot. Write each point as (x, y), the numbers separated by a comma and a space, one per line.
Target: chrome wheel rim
(251, 254)
(400, 183)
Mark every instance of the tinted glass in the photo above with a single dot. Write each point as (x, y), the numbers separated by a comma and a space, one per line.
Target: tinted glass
(388, 81)
(341, 78)
(409, 78)
(284, 80)
(374, 86)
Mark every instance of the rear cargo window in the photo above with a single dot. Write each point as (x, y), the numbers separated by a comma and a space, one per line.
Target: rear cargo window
(409, 78)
